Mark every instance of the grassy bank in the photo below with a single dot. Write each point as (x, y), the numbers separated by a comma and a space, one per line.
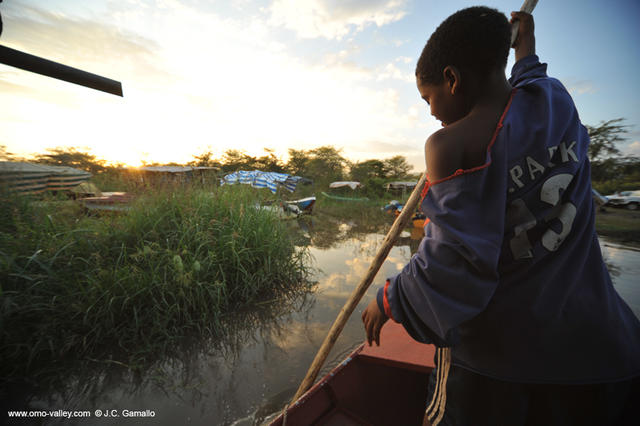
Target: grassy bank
(127, 288)
(619, 224)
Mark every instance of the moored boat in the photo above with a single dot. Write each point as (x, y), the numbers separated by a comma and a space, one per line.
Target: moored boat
(340, 198)
(305, 205)
(419, 220)
(108, 201)
(374, 385)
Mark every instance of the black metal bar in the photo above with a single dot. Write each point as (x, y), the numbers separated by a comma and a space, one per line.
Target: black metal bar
(25, 61)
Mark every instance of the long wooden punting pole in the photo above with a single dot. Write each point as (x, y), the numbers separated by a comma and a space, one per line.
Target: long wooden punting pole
(25, 61)
(400, 223)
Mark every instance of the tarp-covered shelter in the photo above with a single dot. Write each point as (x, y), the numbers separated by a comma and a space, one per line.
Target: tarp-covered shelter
(30, 178)
(341, 184)
(86, 189)
(166, 174)
(400, 185)
(270, 180)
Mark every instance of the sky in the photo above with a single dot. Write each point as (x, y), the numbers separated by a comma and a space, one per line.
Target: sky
(202, 75)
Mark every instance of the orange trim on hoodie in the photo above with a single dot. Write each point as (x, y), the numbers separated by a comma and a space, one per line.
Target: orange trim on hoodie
(460, 172)
(385, 301)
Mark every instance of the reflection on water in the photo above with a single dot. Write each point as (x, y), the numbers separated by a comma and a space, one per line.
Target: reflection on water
(624, 265)
(258, 367)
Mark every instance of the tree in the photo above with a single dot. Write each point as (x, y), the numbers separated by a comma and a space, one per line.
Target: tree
(205, 160)
(603, 152)
(5, 155)
(298, 162)
(326, 163)
(233, 160)
(367, 170)
(397, 167)
(269, 162)
(71, 157)
(604, 138)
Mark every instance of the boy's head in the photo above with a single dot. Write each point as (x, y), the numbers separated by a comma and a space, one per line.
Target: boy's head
(475, 40)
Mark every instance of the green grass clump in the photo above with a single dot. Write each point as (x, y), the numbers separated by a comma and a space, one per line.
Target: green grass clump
(127, 288)
(619, 224)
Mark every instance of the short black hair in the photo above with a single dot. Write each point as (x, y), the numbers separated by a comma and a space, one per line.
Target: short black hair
(476, 40)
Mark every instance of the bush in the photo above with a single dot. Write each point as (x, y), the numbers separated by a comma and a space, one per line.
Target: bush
(132, 286)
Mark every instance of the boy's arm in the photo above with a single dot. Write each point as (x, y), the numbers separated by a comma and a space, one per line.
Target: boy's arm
(525, 44)
(527, 67)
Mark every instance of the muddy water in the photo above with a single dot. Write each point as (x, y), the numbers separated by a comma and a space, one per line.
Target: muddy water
(258, 373)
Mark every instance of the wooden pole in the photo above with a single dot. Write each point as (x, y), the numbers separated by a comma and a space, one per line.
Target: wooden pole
(400, 223)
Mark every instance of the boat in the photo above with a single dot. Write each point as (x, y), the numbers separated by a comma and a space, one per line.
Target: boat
(353, 185)
(305, 205)
(371, 380)
(108, 201)
(339, 198)
(281, 209)
(419, 220)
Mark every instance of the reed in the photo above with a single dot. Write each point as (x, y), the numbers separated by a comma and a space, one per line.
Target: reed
(127, 288)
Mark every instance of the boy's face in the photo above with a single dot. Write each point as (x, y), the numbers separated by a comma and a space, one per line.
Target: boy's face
(444, 106)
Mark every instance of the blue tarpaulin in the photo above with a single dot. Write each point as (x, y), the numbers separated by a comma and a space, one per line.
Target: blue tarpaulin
(258, 179)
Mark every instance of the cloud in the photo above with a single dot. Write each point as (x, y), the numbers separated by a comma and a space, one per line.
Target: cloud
(333, 19)
(633, 149)
(581, 87)
(195, 78)
(391, 71)
(387, 148)
(95, 46)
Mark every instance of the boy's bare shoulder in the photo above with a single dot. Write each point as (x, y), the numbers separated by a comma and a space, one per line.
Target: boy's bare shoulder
(441, 154)
(459, 146)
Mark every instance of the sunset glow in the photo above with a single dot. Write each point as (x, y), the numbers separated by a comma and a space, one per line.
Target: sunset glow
(252, 75)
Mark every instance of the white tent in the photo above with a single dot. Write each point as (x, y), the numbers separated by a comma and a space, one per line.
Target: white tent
(350, 184)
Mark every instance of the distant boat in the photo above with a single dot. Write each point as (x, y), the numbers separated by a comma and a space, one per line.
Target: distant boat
(375, 385)
(305, 205)
(342, 184)
(337, 197)
(419, 220)
(108, 201)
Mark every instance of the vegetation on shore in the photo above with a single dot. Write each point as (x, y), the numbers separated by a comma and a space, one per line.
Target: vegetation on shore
(620, 224)
(126, 288)
(123, 288)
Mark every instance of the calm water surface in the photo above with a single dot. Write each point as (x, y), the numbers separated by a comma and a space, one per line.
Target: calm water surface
(258, 372)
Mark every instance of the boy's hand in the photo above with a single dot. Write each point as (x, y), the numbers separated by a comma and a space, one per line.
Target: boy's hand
(525, 43)
(373, 321)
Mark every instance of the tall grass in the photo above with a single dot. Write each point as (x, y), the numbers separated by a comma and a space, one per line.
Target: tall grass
(127, 288)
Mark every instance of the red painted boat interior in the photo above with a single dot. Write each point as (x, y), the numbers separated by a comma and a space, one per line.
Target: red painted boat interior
(398, 349)
(385, 385)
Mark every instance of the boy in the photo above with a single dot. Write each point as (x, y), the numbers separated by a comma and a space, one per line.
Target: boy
(509, 281)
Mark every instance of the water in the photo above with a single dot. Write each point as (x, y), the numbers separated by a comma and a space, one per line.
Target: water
(259, 371)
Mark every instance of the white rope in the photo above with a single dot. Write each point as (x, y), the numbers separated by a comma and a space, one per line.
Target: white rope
(439, 399)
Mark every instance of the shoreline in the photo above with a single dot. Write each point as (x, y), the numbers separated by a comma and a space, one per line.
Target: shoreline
(619, 225)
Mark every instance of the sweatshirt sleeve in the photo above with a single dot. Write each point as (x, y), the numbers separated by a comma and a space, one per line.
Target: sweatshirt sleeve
(527, 70)
(454, 273)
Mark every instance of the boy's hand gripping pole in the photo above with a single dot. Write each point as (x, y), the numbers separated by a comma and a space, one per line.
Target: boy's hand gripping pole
(528, 7)
(400, 223)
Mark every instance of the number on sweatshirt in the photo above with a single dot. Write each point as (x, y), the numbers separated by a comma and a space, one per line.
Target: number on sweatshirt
(522, 218)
